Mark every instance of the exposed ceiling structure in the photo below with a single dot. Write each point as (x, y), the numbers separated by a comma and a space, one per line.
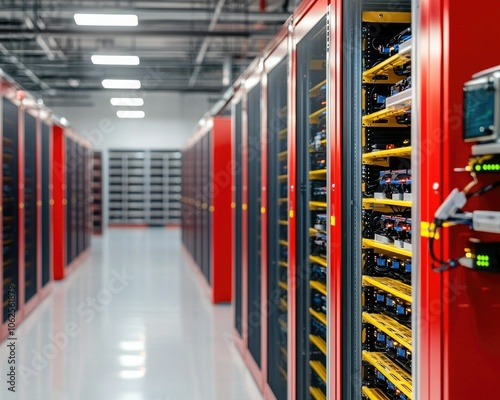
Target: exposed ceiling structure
(189, 46)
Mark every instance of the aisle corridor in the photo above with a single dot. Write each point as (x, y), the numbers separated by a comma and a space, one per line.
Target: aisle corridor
(138, 327)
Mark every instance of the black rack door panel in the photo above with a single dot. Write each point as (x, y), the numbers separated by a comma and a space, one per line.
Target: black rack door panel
(311, 215)
(69, 205)
(46, 220)
(254, 219)
(277, 235)
(238, 229)
(10, 201)
(30, 207)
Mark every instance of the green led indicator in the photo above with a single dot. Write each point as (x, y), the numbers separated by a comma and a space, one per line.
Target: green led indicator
(478, 167)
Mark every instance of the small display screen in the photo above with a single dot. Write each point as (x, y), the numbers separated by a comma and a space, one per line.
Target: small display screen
(479, 115)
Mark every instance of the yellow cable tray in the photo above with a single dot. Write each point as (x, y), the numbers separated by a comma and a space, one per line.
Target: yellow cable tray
(314, 117)
(319, 316)
(314, 91)
(319, 343)
(384, 154)
(320, 287)
(318, 260)
(317, 174)
(374, 394)
(313, 231)
(317, 394)
(393, 372)
(282, 155)
(317, 204)
(395, 330)
(391, 112)
(387, 202)
(319, 368)
(386, 68)
(283, 285)
(386, 247)
(389, 285)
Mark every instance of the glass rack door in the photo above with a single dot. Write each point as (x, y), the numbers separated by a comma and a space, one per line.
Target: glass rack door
(312, 215)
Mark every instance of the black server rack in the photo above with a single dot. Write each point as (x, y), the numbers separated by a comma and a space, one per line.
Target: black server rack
(238, 218)
(311, 215)
(97, 193)
(46, 203)
(277, 230)
(30, 207)
(10, 215)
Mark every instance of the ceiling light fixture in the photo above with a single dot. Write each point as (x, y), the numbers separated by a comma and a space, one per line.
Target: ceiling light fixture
(115, 60)
(130, 114)
(106, 19)
(128, 102)
(121, 84)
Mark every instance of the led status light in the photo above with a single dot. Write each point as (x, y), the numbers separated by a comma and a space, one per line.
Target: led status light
(483, 261)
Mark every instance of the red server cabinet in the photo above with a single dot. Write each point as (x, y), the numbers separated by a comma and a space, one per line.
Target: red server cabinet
(71, 195)
(206, 205)
(460, 317)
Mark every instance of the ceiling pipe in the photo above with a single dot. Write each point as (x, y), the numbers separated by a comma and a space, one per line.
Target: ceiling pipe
(206, 42)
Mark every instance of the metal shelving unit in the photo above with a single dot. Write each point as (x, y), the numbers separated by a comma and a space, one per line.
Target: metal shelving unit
(97, 193)
(144, 187)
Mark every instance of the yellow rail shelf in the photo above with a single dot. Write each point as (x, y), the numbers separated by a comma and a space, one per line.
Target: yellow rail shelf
(319, 316)
(374, 394)
(319, 343)
(393, 372)
(392, 286)
(284, 352)
(283, 285)
(282, 323)
(388, 17)
(395, 330)
(283, 372)
(318, 260)
(319, 368)
(317, 174)
(314, 117)
(317, 204)
(386, 68)
(283, 304)
(372, 118)
(283, 264)
(283, 242)
(386, 247)
(320, 287)
(282, 133)
(387, 202)
(385, 154)
(283, 222)
(283, 177)
(282, 155)
(317, 394)
(313, 231)
(314, 91)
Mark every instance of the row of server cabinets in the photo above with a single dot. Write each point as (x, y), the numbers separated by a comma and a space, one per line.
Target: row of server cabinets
(345, 134)
(45, 203)
(206, 205)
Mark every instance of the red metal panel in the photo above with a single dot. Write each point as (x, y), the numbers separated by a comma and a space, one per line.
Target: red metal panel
(59, 195)
(3, 327)
(334, 78)
(21, 234)
(221, 212)
(460, 314)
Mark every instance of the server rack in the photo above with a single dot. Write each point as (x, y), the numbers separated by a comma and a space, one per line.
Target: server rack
(206, 205)
(97, 193)
(71, 198)
(144, 187)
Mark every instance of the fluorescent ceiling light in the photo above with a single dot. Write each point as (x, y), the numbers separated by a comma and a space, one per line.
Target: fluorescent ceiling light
(115, 60)
(130, 114)
(121, 84)
(128, 102)
(106, 19)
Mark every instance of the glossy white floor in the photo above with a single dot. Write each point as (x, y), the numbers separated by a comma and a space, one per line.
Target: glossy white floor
(138, 327)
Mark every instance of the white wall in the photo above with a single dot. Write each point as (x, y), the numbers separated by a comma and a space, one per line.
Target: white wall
(170, 121)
